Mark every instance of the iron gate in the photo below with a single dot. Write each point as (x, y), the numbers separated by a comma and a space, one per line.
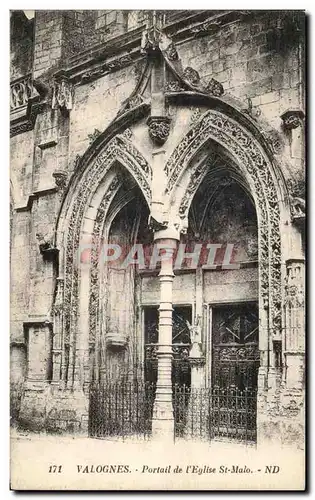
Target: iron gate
(121, 409)
(125, 409)
(215, 413)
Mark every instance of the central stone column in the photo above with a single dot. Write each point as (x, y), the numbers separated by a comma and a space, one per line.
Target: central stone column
(163, 416)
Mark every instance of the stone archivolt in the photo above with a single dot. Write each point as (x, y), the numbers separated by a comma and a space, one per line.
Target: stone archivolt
(118, 149)
(257, 169)
(96, 241)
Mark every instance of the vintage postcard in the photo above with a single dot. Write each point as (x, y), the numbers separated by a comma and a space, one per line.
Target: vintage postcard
(157, 216)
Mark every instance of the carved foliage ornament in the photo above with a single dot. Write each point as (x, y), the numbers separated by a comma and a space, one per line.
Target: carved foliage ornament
(92, 137)
(209, 26)
(192, 76)
(215, 88)
(133, 101)
(108, 67)
(256, 167)
(195, 115)
(159, 128)
(195, 180)
(174, 86)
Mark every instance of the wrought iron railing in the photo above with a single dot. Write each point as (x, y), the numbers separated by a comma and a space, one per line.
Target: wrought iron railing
(121, 409)
(125, 410)
(180, 351)
(214, 413)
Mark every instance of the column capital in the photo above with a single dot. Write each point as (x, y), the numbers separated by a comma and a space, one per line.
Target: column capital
(170, 235)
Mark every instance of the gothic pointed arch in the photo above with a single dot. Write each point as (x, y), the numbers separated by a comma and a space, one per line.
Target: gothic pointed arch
(189, 164)
(80, 221)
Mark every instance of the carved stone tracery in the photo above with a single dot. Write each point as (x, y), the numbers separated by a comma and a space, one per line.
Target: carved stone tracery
(256, 168)
(20, 92)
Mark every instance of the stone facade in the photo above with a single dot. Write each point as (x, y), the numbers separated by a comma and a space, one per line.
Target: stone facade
(161, 105)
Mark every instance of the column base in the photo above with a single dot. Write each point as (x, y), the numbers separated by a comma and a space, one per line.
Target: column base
(163, 418)
(163, 430)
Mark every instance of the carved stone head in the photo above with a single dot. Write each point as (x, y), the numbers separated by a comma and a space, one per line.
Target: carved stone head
(192, 76)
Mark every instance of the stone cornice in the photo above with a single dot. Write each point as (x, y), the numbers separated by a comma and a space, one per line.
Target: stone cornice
(104, 58)
(125, 49)
(37, 320)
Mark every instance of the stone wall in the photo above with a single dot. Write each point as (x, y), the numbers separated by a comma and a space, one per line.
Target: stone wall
(95, 106)
(257, 58)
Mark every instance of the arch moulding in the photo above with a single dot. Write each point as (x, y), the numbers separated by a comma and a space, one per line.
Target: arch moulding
(82, 195)
(267, 186)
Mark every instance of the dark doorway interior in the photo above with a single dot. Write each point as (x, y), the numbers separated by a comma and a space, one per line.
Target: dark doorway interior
(235, 352)
(182, 317)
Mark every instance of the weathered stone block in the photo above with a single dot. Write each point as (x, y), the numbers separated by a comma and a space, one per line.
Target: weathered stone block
(269, 97)
(259, 66)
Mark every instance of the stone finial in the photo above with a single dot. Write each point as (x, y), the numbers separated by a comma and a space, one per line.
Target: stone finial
(159, 128)
(292, 118)
(150, 41)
